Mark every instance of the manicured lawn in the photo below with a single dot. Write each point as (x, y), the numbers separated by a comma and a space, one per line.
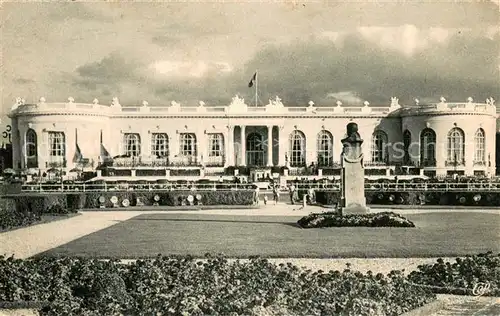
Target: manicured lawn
(436, 234)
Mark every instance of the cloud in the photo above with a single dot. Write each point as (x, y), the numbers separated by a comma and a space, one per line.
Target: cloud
(22, 81)
(360, 69)
(115, 66)
(74, 11)
(197, 68)
(348, 97)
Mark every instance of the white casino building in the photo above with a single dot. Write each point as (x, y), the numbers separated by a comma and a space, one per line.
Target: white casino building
(437, 139)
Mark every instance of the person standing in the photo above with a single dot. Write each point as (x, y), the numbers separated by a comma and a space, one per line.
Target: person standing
(276, 195)
(292, 194)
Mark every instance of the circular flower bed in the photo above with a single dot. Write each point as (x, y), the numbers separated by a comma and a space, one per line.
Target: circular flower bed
(329, 219)
(186, 286)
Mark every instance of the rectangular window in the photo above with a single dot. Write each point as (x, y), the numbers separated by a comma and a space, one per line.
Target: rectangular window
(215, 145)
(57, 144)
(159, 145)
(188, 144)
(132, 144)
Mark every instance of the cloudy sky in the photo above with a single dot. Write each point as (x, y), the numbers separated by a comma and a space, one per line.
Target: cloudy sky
(209, 51)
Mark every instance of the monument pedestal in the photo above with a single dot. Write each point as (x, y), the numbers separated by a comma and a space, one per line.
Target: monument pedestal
(354, 209)
(353, 199)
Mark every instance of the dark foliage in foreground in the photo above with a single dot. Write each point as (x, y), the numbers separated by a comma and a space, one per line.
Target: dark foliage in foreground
(10, 218)
(185, 286)
(461, 276)
(329, 219)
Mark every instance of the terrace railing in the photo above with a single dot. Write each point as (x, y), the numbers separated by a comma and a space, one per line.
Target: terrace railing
(214, 186)
(114, 187)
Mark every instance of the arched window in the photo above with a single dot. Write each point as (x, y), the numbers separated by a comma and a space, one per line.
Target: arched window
(255, 150)
(479, 147)
(406, 147)
(325, 148)
(31, 149)
(456, 147)
(428, 148)
(379, 144)
(57, 143)
(132, 144)
(188, 145)
(297, 149)
(159, 145)
(215, 145)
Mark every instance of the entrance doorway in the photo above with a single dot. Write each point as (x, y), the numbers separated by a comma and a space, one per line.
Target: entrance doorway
(255, 150)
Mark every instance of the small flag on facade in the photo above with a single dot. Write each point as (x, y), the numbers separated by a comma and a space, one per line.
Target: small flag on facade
(78, 153)
(103, 152)
(252, 81)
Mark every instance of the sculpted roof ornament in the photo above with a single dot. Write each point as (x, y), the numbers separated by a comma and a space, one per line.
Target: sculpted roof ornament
(19, 102)
(201, 103)
(237, 104)
(366, 103)
(394, 101)
(417, 101)
(470, 99)
(145, 103)
(311, 103)
(277, 102)
(115, 102)
(95, 101)
(71, 100)
(339, 103)
(442, 99)
(490, 101)
(174, 106)
(237, 101)
(42, 100)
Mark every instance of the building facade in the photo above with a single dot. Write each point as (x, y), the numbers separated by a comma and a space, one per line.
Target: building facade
(439, 139)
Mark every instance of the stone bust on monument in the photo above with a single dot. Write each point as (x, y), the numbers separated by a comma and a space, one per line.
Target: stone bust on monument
(353, 200)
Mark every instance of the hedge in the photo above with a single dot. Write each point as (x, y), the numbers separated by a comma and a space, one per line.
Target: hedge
(39, 203)
(24, 211)
(186, 286)
(476, 198)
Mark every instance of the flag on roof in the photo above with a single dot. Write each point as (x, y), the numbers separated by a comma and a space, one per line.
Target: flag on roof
(252, 81)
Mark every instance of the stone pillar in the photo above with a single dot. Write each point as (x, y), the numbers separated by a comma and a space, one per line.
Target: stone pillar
(202, 150)
(269, 145)
(282, 146)
(243, 146)
(310, 149)
(229, 147)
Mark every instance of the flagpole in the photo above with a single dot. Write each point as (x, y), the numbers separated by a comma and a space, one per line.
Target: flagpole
(256, 88)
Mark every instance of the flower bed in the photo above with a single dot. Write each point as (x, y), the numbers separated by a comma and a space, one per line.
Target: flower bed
(472, 275)
(330, 219)
(175, 286)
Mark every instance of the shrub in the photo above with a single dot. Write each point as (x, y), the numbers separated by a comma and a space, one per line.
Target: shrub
(330, 219)
(461, 276)
(185, 286)
(11, 218)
